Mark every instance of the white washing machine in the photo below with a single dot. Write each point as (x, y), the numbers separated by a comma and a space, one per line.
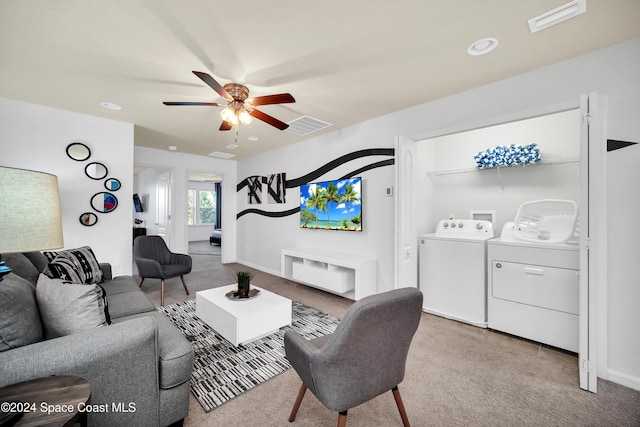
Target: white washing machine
(533, 289)
(452, 270)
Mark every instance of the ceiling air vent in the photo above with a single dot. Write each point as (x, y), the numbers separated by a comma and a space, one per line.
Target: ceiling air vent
(305, 125)
(221, 155)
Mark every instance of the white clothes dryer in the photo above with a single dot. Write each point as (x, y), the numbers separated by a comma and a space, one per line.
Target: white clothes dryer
(533, 289)
(452, 270)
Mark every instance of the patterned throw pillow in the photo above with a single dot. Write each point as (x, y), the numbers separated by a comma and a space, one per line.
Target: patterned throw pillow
(82, 265)
(65, 269)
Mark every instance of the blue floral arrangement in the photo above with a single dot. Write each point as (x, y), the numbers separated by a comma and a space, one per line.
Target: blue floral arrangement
(512, 155)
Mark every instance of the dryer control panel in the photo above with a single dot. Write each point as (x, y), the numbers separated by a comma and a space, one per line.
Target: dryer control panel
(464, 228)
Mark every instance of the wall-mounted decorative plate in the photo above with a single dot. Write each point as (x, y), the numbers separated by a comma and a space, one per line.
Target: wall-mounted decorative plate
(104, 202)
(112, 184)
(96, 170)
(78, 151)
(88, 219)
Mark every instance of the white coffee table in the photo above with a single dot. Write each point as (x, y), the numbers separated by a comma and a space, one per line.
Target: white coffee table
(241, 321)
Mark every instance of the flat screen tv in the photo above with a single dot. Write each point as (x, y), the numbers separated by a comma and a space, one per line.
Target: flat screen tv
(332, 205)
(137, 204)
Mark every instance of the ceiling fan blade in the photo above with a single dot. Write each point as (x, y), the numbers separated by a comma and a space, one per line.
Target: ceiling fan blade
(225, 126)
(213, 84)
(268, 119)
(281, 98)
(210, 104)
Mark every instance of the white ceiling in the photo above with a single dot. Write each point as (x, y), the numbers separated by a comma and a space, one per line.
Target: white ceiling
(343, 61)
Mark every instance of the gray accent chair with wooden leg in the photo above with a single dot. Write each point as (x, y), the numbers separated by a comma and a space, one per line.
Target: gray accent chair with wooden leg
(363, 358)
(155, 261)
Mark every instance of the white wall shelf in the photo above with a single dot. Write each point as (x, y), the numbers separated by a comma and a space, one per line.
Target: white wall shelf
(542, 162)
(349, 275)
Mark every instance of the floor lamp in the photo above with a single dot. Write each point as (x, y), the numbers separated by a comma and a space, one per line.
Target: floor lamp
(30, 217)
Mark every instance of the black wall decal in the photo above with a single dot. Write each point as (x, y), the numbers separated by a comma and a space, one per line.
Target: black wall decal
(369, 167)
(613, 144)
(255, 190)
(253, 180)
(275, 188)
(311, 176)
(269, 214)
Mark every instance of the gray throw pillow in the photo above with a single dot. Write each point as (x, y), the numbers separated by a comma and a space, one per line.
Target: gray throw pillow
(22, 266)
(68, 308)
(19, 319)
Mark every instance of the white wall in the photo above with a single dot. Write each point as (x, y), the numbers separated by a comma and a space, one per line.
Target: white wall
(261, 238)
(180, 165)
(35, 137)
(451, 185)
(557, 87)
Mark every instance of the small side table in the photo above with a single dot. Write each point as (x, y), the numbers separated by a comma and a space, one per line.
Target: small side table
(53, 400)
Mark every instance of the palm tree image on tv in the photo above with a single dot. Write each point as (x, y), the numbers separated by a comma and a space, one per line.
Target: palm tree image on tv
(332, 205)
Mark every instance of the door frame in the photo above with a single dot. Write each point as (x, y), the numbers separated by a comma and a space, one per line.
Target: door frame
(593, 241)
(405, 236)
(164, 208)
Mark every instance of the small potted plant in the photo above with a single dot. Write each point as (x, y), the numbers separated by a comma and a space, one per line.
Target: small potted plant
(244, 281)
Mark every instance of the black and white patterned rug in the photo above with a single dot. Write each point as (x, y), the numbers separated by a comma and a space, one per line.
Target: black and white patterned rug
(222, 372)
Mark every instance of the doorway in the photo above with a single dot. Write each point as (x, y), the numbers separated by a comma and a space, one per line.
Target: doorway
(154, 188)
(204, 211)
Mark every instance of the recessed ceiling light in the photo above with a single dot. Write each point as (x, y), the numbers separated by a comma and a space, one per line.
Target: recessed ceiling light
(557, 15)
(110, 106)
(232, 146)
(252, 138)
(172, 148)
(483, 46)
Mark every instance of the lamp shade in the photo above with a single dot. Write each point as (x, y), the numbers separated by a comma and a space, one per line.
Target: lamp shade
(30, 217)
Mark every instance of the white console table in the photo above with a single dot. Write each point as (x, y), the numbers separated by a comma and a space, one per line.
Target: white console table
(349, 275)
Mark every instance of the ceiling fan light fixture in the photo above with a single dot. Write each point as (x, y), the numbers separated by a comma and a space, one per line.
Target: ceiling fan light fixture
(244, 117)
(236, 114)
(229, 115)
(240, 109)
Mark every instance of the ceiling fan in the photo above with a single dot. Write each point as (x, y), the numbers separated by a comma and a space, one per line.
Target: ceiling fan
(240, 108)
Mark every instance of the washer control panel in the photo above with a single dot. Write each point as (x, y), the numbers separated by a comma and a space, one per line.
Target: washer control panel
(465, 227)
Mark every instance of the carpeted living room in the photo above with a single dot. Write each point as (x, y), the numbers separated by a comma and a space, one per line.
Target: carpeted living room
(276, 213)
(456, 374)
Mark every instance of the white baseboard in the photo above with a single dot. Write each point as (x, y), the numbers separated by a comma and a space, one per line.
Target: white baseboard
(259, 267)
(624, 379)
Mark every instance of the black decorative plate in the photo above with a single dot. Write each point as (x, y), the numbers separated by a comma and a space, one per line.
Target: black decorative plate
(233, 295)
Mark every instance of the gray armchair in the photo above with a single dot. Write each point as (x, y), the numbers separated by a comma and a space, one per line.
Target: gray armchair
(363, 358)
(155, 261)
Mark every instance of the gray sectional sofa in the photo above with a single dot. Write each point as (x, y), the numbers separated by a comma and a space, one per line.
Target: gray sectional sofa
(141, 358)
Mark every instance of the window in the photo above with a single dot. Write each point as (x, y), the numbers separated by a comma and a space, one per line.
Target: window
(201, 207)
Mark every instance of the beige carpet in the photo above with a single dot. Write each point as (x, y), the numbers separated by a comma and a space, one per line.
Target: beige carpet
(457, 375)
(203, 247)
